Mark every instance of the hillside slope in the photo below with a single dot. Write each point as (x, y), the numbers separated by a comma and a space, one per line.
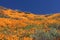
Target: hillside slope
(18, 25)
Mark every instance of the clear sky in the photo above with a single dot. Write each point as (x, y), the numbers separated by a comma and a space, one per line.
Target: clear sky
(33, 6)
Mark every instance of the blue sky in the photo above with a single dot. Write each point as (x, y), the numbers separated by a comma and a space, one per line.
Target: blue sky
(33, 6)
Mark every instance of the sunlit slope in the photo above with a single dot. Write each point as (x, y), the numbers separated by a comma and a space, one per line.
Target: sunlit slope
(18, 25)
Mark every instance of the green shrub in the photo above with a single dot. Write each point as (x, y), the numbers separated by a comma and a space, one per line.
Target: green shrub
(54, 25)
(4, 16)
(41, 35)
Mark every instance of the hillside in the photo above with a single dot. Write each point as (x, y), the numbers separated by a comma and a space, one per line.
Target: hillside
(18, 25)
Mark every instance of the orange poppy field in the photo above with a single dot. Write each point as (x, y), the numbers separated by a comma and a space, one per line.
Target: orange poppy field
(18, 25)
